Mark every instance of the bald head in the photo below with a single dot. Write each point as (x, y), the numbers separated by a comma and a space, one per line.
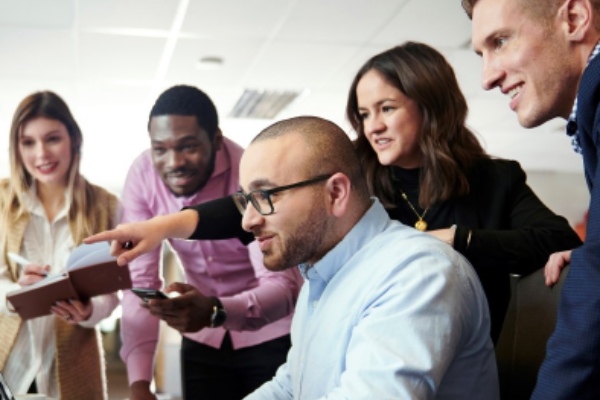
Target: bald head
(327, 148)
(306, 175)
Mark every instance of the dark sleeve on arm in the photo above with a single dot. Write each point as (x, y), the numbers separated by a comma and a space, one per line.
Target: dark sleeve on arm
(571, 369)
(219, 219)
(526, 231)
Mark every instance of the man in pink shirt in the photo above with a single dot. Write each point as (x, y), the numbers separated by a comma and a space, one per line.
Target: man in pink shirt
(235, 313)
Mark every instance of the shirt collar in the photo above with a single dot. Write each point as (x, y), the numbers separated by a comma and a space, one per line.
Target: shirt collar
(374, 221)
(592, 56)
(33, 204)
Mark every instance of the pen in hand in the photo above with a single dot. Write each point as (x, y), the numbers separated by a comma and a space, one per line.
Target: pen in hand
(21, 262)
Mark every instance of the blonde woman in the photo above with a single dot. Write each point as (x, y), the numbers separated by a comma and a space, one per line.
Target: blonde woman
(46, 209)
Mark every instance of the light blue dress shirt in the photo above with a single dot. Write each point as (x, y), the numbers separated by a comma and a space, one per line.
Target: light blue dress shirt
(389, 313)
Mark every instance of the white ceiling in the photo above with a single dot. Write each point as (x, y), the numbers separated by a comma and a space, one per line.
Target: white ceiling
(109, 59)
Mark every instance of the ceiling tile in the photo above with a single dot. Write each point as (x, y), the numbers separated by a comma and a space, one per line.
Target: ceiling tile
(36, 53)
(225, 19)
(338, 21)
(131, 14)
(119, 58)
(287, 65)
(437, 23)
(237, 56)
(37, 13)
(103, 57)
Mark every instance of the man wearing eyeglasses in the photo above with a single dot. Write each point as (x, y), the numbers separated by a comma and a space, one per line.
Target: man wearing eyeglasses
(386, 312)
(234, 314)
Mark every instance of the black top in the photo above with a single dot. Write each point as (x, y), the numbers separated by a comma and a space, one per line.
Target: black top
(220, 219)
(511, 230)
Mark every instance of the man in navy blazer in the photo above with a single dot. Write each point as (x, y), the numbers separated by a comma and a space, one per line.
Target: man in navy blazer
(542, 54)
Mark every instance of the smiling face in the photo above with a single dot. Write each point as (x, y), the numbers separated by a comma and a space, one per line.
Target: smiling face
(391, 121)
(45, 150)
(529, 60)
(182, 152)
(296, 231)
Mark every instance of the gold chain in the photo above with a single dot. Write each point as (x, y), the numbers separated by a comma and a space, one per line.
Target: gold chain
(420, 224)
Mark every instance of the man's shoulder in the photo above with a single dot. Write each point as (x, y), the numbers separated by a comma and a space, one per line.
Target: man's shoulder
(142, 168)
(142, 181)
(405, 241)
(143, 159)
(402, 253)
(233, 148)
(588, 97)
(409, 243)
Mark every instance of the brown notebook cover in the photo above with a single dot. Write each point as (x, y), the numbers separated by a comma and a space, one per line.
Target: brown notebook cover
(93, 273)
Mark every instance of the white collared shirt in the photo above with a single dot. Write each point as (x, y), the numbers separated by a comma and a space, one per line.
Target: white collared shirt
(32, 356)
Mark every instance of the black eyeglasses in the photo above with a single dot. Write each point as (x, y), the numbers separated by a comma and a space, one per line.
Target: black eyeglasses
(261, 199)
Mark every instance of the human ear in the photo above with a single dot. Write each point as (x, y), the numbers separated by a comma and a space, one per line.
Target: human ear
(577, 16)
(218, 140)
(338, 191)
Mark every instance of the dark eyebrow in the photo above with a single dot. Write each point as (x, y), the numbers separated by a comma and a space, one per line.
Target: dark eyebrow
(188, 138)
(379, 102)
(185, 139)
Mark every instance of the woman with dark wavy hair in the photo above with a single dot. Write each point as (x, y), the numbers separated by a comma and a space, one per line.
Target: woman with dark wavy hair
(431, 172)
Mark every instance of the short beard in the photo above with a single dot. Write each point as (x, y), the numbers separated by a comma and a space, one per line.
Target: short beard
(207, 174)
(307, 243)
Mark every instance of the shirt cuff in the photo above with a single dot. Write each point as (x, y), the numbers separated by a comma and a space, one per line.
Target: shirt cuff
(102, 307)
(236, 313)
(140, 367)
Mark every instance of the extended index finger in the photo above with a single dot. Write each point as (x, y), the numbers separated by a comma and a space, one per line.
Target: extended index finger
(106, 236)
(121, 245)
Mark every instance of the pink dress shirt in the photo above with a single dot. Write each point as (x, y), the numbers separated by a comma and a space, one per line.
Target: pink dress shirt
(259, 303)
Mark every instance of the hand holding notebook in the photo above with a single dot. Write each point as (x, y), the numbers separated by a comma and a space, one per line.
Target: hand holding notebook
(91, 271)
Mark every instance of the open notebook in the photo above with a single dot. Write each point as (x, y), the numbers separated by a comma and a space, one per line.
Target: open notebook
(91, 271)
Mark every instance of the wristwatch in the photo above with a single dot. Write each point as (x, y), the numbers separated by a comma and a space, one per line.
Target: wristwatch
(219, 315)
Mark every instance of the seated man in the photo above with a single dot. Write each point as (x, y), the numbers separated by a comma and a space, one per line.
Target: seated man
(386, 312)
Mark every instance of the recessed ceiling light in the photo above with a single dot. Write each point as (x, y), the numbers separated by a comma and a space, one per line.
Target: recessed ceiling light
(209, 63)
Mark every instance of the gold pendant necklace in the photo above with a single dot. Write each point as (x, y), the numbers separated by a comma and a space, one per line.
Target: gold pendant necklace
(420, 225)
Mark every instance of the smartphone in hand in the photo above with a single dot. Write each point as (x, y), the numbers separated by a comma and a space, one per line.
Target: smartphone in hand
(149, 294)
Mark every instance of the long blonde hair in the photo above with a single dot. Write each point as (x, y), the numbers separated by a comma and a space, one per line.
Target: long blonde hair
(82, 219)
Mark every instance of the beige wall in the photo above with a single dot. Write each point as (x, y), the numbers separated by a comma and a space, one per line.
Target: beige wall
(564, 193)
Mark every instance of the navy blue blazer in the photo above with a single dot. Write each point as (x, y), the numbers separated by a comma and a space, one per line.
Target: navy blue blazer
(571, 369)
